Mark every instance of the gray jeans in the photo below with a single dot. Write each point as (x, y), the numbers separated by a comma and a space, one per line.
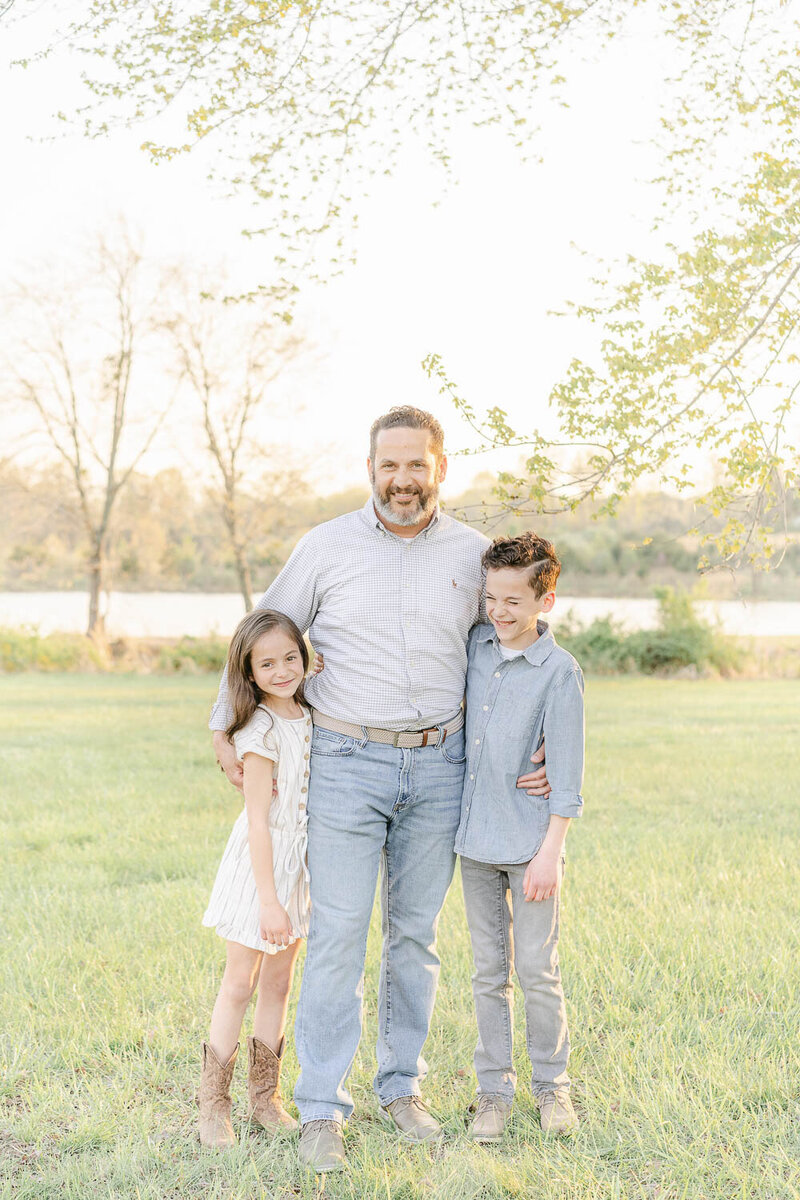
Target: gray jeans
(507, 932)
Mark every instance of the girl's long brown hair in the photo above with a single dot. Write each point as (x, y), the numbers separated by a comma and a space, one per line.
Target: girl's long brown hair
(243, 692)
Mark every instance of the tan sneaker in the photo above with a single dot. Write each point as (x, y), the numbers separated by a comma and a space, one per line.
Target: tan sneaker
(557, 1114)
(413, 1120)
(491, 1114)
(321, 1146)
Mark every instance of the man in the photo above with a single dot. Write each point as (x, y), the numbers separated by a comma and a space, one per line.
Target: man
(388, 595)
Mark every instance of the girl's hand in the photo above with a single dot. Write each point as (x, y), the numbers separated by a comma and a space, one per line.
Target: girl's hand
(319, 663)
(542, 876)
(274, 924)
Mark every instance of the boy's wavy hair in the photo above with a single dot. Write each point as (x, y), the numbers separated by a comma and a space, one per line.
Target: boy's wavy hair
(243, 692)
(526, 550)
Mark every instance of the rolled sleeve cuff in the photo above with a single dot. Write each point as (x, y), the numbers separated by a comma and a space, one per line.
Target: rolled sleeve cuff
(565, 804)
(219, 719)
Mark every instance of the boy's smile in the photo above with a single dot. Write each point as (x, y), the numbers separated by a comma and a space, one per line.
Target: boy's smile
(513, 607)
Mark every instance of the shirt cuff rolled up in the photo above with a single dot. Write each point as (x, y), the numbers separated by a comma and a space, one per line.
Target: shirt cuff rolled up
(565, 804)
(219, 719)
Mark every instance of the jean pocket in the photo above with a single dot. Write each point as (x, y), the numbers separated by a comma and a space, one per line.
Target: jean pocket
(332, 745)
(453, 749)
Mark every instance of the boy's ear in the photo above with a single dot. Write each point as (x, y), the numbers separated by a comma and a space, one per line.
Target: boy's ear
(548, 600)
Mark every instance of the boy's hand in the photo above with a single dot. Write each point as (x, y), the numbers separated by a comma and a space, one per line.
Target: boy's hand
(535, 782)
(274, 924)
(542, 875)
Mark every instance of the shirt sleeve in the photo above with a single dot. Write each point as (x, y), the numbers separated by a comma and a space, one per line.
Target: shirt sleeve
(257, 737)
(563, 744)
(295, 593)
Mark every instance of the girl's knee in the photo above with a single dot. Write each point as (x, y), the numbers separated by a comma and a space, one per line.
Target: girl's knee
(239, 984)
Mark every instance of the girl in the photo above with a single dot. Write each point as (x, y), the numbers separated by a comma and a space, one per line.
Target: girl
(259, 902)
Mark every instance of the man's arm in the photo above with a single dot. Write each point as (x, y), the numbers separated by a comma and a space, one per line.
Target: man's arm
(294, 592)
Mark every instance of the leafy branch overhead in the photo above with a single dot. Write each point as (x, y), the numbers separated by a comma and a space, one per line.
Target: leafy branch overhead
(698, 351)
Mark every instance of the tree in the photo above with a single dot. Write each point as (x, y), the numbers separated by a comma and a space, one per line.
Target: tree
(698, 349)
(71, 363)
(229, 355)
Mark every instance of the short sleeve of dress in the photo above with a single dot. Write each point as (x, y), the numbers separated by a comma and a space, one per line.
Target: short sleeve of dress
(257, 737)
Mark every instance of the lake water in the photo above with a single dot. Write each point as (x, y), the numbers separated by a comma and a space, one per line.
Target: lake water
(172, 614)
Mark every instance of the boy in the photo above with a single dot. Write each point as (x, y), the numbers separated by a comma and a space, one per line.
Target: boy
(521, 688)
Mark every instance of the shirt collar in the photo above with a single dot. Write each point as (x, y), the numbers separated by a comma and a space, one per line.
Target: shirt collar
(372, 519)
(538, 651)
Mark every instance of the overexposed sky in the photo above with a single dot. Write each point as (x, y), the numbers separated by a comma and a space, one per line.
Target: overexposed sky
(472, 278)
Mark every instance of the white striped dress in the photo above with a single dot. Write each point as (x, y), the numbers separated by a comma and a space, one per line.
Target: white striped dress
(233, 909)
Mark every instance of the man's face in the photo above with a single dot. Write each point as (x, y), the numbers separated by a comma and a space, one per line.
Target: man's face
(512, 605)
(405, 476)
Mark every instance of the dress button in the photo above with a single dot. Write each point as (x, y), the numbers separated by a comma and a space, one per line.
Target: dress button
(307, 737)
(301, 807)
(305, 756)
(303, 789)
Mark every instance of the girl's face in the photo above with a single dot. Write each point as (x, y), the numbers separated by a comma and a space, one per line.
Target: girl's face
(276, 664)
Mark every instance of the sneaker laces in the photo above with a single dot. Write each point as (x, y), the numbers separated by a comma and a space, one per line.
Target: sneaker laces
(491, 1102)
(320, 1123)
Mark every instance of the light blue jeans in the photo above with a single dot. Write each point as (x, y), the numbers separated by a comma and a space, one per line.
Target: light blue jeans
(372, 806)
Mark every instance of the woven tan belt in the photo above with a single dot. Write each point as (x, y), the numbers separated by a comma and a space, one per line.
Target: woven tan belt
(405, 739)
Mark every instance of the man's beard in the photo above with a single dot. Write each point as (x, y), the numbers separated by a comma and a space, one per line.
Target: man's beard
(413, 515)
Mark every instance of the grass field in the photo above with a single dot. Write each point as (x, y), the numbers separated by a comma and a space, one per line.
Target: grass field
(680, 953)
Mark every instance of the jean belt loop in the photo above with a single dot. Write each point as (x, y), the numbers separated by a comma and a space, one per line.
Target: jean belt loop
(365, 738)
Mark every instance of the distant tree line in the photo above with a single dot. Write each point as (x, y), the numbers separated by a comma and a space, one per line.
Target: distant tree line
(170, 536)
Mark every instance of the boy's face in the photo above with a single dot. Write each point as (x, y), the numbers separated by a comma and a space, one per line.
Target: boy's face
(512, 605)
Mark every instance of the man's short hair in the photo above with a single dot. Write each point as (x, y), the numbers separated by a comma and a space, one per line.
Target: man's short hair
(405, 416)
(526, 550)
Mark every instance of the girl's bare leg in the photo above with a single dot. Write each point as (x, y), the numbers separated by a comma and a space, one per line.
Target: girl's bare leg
(237, 987)
(274, 986)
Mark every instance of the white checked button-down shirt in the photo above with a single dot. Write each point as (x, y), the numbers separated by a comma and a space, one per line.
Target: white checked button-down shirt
(391, 616)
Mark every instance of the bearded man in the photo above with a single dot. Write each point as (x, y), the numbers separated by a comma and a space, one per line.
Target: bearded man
(388, 595)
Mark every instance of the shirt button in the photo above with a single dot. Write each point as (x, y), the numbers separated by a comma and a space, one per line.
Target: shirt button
(497, 674)
(477, 741)
(472, 776)
(486, 708)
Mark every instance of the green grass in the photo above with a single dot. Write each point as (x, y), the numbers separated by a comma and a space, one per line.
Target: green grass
(680, 953)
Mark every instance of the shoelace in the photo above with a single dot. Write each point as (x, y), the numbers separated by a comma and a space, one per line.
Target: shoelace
(490, 1103)
(317, 1125)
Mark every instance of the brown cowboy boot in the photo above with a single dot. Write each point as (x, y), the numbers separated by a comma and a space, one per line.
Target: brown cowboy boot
(264, 1088)
(214, 1100)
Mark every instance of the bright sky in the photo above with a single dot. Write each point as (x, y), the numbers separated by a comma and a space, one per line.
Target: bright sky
(473, 278)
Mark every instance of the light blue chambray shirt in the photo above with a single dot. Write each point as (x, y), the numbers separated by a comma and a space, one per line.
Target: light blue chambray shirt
(511, 705)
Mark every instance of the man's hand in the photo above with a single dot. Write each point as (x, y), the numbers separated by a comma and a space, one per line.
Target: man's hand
(226, 757)
(535, 782)
(542, 875)
(274, 925)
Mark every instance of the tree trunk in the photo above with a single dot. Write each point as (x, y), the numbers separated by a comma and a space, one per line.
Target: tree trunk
(96, 628)
(243, 573)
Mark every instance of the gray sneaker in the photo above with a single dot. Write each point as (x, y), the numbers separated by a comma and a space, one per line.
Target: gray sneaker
(321, 1146)
(556, 1113)
(413, 1120)
(491, 1114)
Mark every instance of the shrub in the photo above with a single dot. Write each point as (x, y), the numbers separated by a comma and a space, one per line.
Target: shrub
(26, 650)
(193, 656)
(681, 640)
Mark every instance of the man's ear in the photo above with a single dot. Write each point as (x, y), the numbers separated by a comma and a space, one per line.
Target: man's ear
(369, 468)
(442, 468)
